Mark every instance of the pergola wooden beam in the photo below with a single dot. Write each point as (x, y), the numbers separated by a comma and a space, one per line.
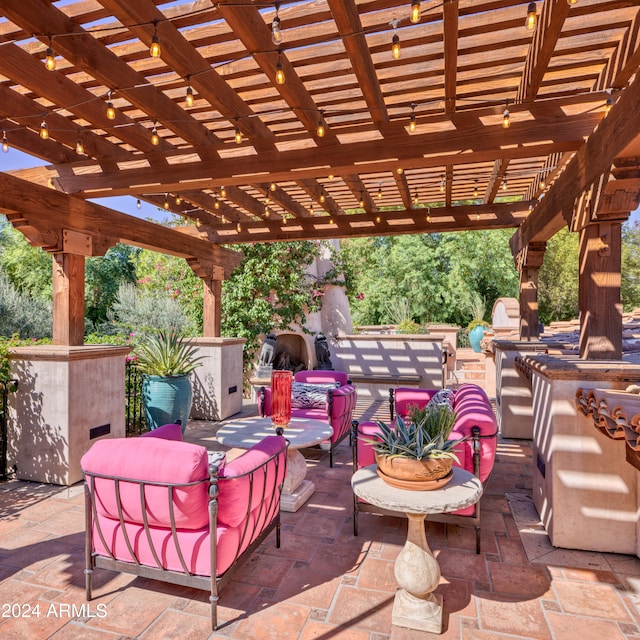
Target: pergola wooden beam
(450, 36)
(593, 159)
(30, 205)
(518, 141)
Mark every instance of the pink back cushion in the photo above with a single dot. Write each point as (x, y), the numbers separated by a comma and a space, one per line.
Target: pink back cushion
(321, 376)
(238, 491)
(150, 460)
(166, 431)
(404, 397)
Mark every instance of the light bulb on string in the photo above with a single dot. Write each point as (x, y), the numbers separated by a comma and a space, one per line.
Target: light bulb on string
(238, 228)
(361, 199)
(188, 98)
(138, 203)
(155, 138)
(416, 200)
(280, 78)
(322, 198)
(506, 116)
(320, 129)
(284, 219)
(276, 32)
(608, 104)
(412, 121)
(477, 215)
(154, 50)
(178, 199)
(377, 219)
(5, 143)
(166, 201)
(504, 184)
(572, 2)
(50, 59)
(223, 219)
(543, 182)
(395, 41)
(399, 171)
(79, 146)
(273, 186)
(330, 176)
(266, 211)
(238, 136)
(380, 193)
(415, 11)
(475, 189)
(267, 200)
(223, 192)
(44, 132)
(111, 112)
(442, 184)
(530, 21)
(216, 204)
(428, 217)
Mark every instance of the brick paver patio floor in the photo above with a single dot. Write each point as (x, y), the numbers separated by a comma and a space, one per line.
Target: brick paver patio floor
(323, 583)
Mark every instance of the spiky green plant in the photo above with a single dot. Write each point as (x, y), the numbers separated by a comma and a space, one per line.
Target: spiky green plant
(166, 354)
(422, 437)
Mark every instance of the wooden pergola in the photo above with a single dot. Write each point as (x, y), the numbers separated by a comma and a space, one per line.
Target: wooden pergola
(269, 121)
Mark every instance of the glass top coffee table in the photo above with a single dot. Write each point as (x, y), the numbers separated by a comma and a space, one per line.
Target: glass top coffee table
(301, 433)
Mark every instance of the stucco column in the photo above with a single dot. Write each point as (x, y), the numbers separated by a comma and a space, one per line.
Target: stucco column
(68, 299)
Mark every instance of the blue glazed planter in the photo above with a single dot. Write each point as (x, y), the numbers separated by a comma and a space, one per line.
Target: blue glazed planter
(475, 335)
(166, 400)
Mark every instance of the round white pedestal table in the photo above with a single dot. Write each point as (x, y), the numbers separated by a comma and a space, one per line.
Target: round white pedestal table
(300, 433)
(416, 570)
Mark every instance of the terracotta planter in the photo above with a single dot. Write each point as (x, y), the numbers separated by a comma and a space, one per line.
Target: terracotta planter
(417, 475)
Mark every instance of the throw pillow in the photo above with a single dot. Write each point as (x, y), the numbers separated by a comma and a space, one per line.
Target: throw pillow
(442, 397)
(310, 396)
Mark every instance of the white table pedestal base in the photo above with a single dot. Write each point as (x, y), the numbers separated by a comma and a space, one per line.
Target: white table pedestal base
(293, 501)
(418, 574)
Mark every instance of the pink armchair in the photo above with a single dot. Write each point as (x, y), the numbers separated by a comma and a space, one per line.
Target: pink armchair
(157, 508)
(337, 409)
(475, 420)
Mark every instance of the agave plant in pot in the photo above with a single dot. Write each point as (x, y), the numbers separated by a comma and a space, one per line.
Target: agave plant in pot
(166, 359)
(416, 454)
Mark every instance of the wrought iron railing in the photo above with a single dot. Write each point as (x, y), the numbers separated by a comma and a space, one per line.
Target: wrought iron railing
(134, 414)
(6, 387)
(462, 339)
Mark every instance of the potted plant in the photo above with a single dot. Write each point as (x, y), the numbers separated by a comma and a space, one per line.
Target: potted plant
(416, 454)
(477, 327)
(166, 359)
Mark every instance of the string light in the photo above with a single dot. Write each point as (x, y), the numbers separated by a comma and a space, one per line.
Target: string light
(361, 199)
(280, 78)
(428, 218)
(154, 50)
(416, 200)
(377, 219)
(311, 206)
(166, 201)
(442, 184)
(178, 199)
(505, 116)
(138, 203)
(238, 133)
(189, 95)
(504, 184)
(475, 189)
(284, 219)
(543, 182)
(216, 204)
(415, 11)
(273, 186)
(320, 129)
(572, 2)
(322, 198)
(223, 192)
(330, 177)
(5, 143)
(44, 132)
(412, 122)
(155, 138)
(530, 21)
(238, 227)
(380, 192)
(395, 41)
(266, 211)
(477, 215)
(50, 59)
(267, 200)
(399, 171)
(608, 104)
(79, 146)
(276, 33)
(223, 219)
(111, 112)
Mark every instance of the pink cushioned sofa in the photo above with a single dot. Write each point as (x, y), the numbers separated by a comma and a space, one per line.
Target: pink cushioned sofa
(337, 410)
(475, 420)
(156, 507)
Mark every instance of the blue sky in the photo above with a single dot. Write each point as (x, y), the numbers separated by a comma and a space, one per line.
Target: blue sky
(15, 159)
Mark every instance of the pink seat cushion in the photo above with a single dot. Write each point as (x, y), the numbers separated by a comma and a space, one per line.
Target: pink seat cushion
(166, 431)
(321, 376)
(237, 488)
(150, 460)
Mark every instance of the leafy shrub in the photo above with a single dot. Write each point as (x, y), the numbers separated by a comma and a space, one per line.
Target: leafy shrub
(21, 314)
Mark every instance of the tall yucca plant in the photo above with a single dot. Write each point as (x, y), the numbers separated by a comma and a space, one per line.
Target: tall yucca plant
(167, 354)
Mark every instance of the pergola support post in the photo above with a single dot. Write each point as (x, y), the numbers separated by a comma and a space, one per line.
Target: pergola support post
(600, 258)
(212, 307)
(529, 262)
(68, 299)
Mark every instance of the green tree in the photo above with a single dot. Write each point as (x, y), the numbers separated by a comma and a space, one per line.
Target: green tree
(630, 285)
(558, 278)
